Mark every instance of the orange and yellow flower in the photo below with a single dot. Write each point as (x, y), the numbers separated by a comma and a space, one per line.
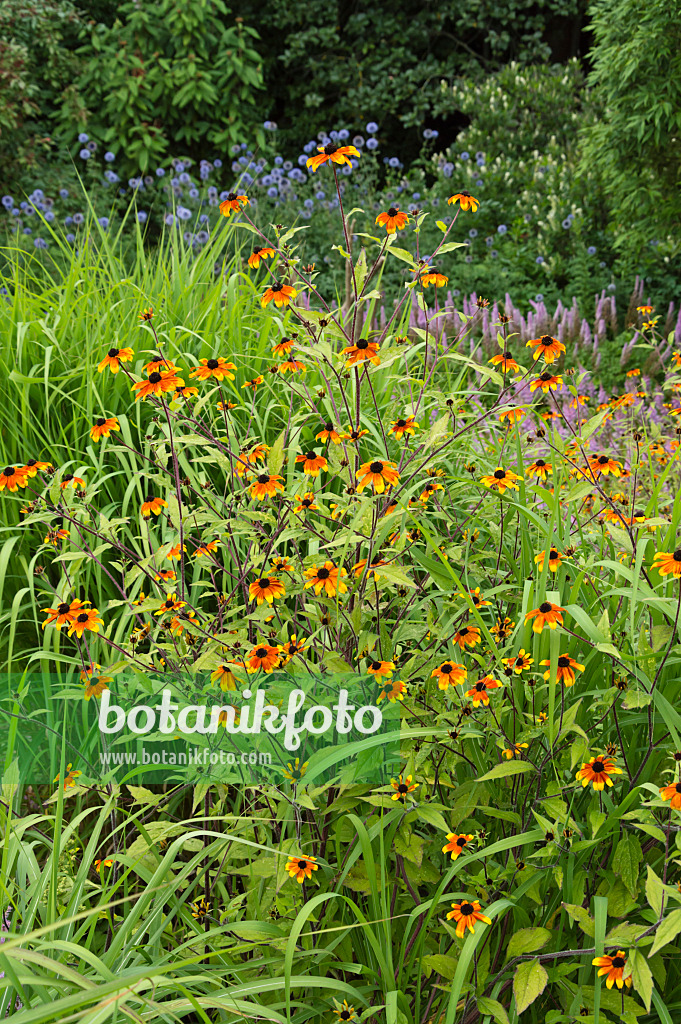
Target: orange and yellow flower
(313, 464)
(233, 203)
(267, 588)
(456, 844)
(266, 486)
(114, 358)
(539, 468)
(597, 772)
(467, 636)
(103, 427)
(218, 368)
(13, 477)
(362, 350)
(466, 914)
(673, 793)
(152, 506)
(546, 614)
(157, 383)
(301, 868)
(466, 201)
(565, 672)
(328, 577)
(404, 426)
(555, 559)
(613, 968)
(392, 220)
(501, 480)
(547, 382)
(260, 254)
(668, 563)
(449, 674)
(331, 153)
(264, 657)
(546, 346)
(280, 293)
(85, 619)
(479, 692)
(506, 361)
(403, 787)
(377, 474)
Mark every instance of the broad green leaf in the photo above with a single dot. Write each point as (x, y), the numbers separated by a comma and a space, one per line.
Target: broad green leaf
(654, 890)
(529, 982)
(444, 965)
(626, 861)
(581, 916)
(527, 940)
(501, 771)
(144, 796)
(641, 976)
(492, 1008)
(276, 456)
(666, 932)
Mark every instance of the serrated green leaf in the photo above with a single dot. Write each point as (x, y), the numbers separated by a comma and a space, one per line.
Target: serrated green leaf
(666, 932)
(529, 982)
(492, 1008)
(527, 940)
(626, 861)
(641, 976)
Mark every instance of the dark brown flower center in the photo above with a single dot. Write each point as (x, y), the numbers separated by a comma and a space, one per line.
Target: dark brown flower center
(676, 556)
(276, 286)
(618, 961)
(231, 196)
(311, 456)
(323, 573)
(467, 194)
(402, 788)
(261, 652)
(545, 608)
(100, 422)
(480, 686)
(375, 665)
(264, 583)
(212, 364)
(540, 462)
(499, 474)
(563, 661)
(331, 148)
(306, 502)
(393, 211)
(446, 668)
(263, 478)
(83, 617)
(466, 908)
(328, 427)
(113, 352)
(302, 864)
(546, 376)
(603, 459)
(362, 344)
(597, 766)
(463, 631)
(553, 554)
(547, 340)
(63, 608)
(9, 471)
(461, 841)
(154, 377)
(376, 467)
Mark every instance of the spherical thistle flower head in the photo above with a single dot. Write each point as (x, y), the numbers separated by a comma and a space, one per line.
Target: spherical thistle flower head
(328, 433)
(668, 563)
(403, 426)
(613, 968)
(465, 200)
(281, 294)
(333, 153)
(260, 254)
(466, 914)
(216, 368)
(515, 751)
(263, 657)
(266, 486)
(378, 669)
(360, 351)
(306, 503)
(113, 359)
(566, 668)
(546, 346)
(13, 477)
(313, 464)
(501, 480)
(449, 674)
(467, 636)
(597, 772)
(328, 578)
(378, 474)
(393, 219)
(546, 614)
(506, 362)
(300, 867)
(267, 588)
(157, 383)
(233, 203)
(85, 619)
(479, 691)
(456, 844)
(547, 382)
(103, 427)
(555, 559)
(539, 468)
(673, 793)
(403, 786)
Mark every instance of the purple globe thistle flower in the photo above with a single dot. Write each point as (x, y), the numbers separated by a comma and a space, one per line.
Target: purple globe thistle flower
(372, 128)
(169, 219)
(372, 143)
(83, 137)
(27, 231)
(183, 213)
(142, 216)
(539, 259)
(92, 146)
(502, 229)
(85, 154)
(104, 222)
(160, 172)
(64, 193)
(109, 156)
(591, 250)
(70, 238)
(79, 218)
(465, 155)
(217, 163)
(40, 243)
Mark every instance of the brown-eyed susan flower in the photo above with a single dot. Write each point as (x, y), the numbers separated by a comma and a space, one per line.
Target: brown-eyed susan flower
(114, 358)
(506, 361)
(668, 563)
(673, 793)
(249, 457)
(467, 636)
(449, 674)
(102, 427)
(306, 503)
(513, 415)
(266, 486)
(676, 360)
(578, 400)
(263, 657)
(54, 536)
(393, 689)
(565, 672)
(189, 392)
(345, 1012)
(333, 153)
(207, 549)
(547, 382)
(604, 464)
(292, 647)
(85, 619)
(70, 777)
(157, 383)
(280, 294)
(546, 346)
(374, 565)
(292, 366)
(476, 597)
(254, 383)
(353, 436)
(392, 220)
(283, 347)
(13, 477)
(103, 863)
(217, 368)
(466, 914)
(300, 867)
(224, 676)
(362, 350)
(377, 474)
(64, 614)
(404, 426)
(645, 309)
(201, 910)
(232, 204)
(96, 685)
(613, 968)
(158, 363)
(479, 691)
(555, 559)
(171, 604)
(434, 278)
(378, 669)
(281, 564)
(33, 466)
(146, 314)
(295, 771)
(267, 588)
(515, 751)
(260, 254)
(546, 614)
(328, 433)
(501, 480)
(328, 578)
(540, 468)
(152, 506)
(73, 481)
(178, 623)
(456, 844)
(313, 464)
(502, 628)
(429, 490)
(175, 553)
(598, 772)
(520, 663)
(166, 575)
(466, 201)
(402, 787)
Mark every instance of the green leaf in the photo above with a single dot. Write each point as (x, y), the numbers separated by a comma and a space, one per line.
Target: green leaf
(501, 771)
(666, 932)
(444, 965)
(529, 982)
(581, 916)
(276, 457)
(144, 796)
(636, 699)
(642, 976)
(654, 891)
(492, 1008)
(626, 861)
(527, 940)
